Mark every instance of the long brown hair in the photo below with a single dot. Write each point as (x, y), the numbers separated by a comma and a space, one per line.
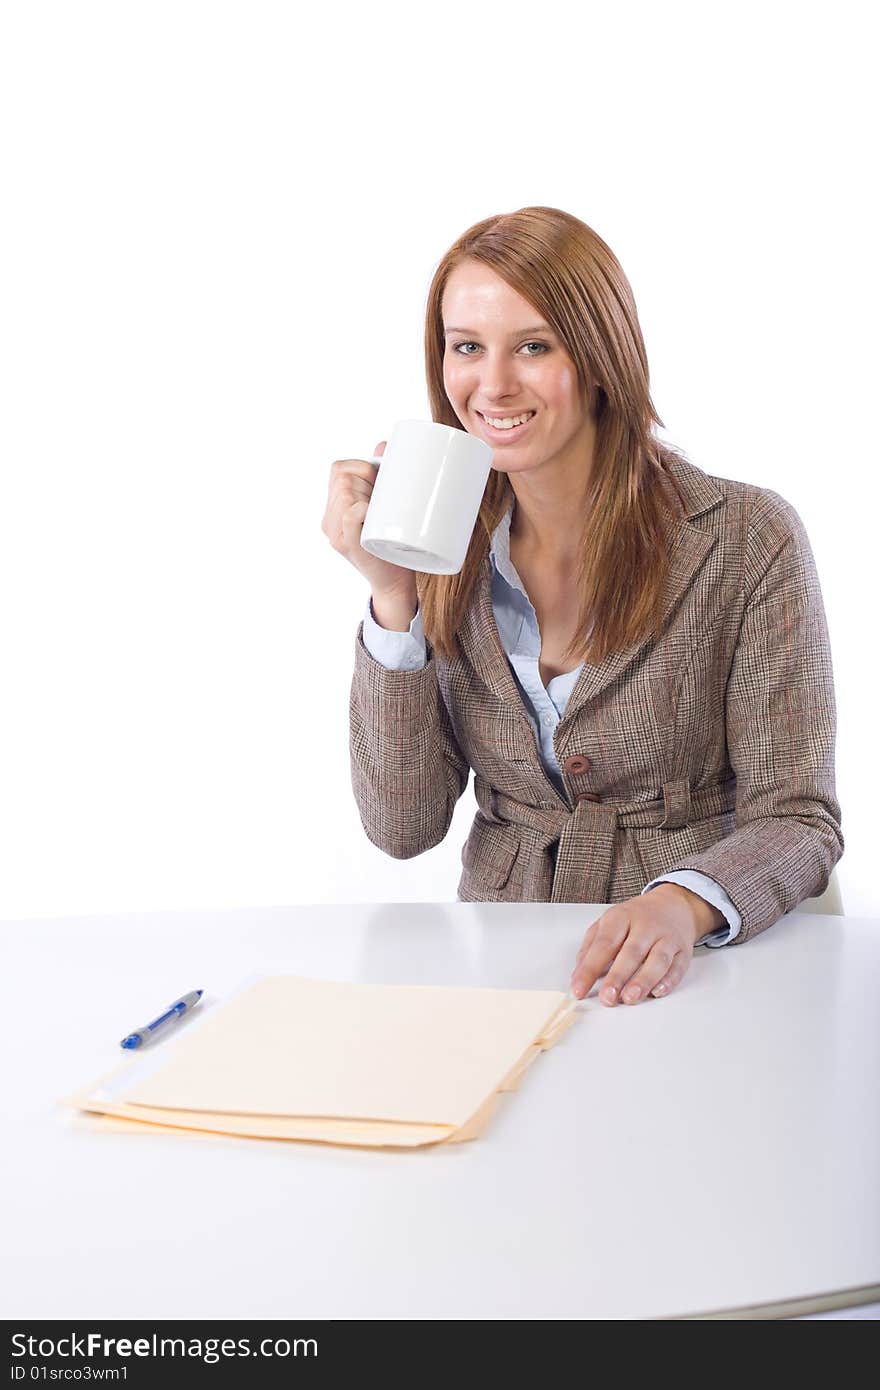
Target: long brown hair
(562, 267)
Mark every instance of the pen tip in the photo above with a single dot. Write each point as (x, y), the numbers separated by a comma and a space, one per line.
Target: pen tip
(200, 992)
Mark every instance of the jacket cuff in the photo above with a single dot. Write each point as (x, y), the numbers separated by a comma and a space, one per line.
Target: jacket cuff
(396, 651)
(706, 888)
(398, 704)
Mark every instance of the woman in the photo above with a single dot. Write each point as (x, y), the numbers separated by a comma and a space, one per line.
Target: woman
(634, 659)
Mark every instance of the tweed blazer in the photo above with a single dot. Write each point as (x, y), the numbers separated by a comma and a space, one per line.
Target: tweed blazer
(707, 747)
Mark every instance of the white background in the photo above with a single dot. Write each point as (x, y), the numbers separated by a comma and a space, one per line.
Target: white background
(219, 226)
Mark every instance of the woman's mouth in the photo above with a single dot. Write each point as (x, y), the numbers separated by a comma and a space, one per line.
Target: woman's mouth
(506, 427)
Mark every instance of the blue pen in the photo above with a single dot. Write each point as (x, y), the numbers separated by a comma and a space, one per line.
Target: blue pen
(175, 1010)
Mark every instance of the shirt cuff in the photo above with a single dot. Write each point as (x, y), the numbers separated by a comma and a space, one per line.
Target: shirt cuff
(706, 887)
(396, 651)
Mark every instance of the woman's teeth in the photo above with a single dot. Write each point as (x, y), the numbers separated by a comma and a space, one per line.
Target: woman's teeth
(508, 422)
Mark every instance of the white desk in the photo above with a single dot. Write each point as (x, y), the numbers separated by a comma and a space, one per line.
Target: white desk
(713, 1150)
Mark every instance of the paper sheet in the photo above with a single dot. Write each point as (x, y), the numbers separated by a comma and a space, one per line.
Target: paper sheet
(341, 1063)
(291, 1046)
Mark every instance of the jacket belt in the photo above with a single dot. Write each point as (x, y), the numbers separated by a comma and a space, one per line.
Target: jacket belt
(586, 835)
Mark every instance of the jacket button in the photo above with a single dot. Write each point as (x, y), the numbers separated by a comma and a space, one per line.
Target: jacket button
(577, 764)
(585, 796)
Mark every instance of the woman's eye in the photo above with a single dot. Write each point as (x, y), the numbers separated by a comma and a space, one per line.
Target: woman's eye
(458, 346)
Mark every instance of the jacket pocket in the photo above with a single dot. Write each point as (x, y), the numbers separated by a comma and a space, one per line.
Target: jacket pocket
(489, 853)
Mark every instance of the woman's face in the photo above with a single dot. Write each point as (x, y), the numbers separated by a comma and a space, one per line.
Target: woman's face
(500, 360)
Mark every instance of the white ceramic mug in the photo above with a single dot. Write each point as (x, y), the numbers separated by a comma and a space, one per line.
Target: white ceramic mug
(426, 496)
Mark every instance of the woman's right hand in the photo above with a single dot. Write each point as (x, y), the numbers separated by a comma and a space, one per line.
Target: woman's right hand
(351, 485)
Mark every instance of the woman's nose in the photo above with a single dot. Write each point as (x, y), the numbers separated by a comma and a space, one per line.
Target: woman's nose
(497, 378)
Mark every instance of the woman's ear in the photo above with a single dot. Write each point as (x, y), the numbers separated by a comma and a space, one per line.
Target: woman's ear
(592, 398)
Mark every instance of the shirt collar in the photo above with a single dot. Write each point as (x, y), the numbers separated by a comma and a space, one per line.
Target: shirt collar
(499, 553)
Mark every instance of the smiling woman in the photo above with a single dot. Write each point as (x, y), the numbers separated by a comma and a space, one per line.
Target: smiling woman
(584, 467)
(633, 659)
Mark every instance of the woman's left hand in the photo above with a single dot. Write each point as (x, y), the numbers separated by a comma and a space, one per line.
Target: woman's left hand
(643, 946)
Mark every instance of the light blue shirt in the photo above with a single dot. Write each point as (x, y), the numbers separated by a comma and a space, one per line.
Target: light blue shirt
(517, 624)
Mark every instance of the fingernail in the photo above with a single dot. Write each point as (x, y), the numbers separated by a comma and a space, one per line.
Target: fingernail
(658, 990)
(632, 993)
(610, 991)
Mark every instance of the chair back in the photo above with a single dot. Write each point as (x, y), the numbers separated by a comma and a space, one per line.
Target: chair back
(829, 902)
